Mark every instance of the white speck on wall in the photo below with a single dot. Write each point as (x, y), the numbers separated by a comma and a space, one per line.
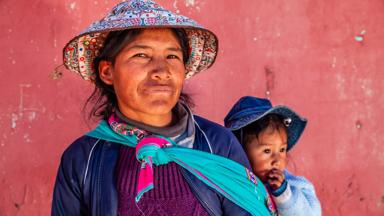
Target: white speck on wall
(175, 6)
(14, 121)
(54, 42)
(26, 138)
(13, 61)
(10, 30)
(72, 5)
(95, 2)
(360, 37)
(334, 62)
(189, 3)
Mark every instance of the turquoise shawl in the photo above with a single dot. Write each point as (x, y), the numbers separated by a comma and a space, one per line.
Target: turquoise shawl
(225, 176)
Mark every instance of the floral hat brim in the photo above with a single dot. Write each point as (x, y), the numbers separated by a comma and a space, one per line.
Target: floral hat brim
(80, 52)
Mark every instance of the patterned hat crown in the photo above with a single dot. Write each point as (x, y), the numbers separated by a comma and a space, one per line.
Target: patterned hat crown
(80, 52)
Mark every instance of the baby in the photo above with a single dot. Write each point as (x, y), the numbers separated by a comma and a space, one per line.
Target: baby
(267, 133)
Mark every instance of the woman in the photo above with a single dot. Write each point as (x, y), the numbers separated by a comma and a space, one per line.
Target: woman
(150, 155)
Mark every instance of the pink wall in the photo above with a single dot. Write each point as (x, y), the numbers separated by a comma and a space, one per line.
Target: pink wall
(324, 58)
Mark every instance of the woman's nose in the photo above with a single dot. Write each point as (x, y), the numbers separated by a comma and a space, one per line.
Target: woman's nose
(160, 69)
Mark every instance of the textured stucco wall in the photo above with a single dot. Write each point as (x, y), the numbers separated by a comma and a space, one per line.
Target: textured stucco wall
(324, 58)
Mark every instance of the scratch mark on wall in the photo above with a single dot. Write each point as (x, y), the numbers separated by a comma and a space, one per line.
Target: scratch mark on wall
(31, 116)
(21, 98)
(20, 204)
(29, 111)
(340, 85)
(175, 6)
(365, 85)
(269, 80)
(57, 73)
(14, 120)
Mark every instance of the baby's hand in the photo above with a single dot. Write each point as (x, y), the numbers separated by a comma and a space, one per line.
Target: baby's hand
(275, 178)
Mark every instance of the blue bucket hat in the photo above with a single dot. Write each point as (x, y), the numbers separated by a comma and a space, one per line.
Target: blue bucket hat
(79, 53)
(249, 109)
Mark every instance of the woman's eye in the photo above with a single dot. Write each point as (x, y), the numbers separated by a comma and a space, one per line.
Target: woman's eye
(141, 55)
(173, 57)
(267, 151)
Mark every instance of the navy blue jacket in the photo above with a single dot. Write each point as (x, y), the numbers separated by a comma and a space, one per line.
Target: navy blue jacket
(86, 180)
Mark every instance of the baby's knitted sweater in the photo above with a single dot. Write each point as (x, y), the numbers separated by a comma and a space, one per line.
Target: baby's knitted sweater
(298, 199)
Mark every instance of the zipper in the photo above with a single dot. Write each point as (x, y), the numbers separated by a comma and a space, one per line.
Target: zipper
(99, 159)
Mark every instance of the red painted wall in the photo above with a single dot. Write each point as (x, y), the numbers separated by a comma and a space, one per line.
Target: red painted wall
(324, 58)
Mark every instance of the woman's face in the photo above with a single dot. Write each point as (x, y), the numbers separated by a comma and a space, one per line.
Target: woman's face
(147, 76)
(267, 152)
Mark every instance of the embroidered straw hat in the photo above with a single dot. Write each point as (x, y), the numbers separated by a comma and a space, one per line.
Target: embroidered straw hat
(249, 109)
(80, 52)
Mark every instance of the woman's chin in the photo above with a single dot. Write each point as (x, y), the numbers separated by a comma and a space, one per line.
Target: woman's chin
(161, 106)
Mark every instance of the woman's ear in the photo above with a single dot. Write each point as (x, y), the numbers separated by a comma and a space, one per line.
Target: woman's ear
(105, 72)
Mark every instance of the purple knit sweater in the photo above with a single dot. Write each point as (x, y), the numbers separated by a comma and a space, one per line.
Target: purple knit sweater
(171, 194)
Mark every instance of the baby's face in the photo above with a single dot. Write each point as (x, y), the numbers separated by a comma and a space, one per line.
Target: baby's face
(267, 152)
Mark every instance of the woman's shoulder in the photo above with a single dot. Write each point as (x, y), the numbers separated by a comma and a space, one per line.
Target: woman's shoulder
(79, 150)
(83, 143)
(210, 126)
(222, 141)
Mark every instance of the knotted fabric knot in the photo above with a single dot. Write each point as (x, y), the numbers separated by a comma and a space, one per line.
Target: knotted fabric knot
(149, 151)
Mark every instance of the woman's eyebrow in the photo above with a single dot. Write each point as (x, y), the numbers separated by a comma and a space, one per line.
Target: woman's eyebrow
(139, 46)
(176, 49)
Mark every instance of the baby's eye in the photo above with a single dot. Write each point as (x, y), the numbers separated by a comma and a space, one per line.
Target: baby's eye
(283, 149)
(267, 151)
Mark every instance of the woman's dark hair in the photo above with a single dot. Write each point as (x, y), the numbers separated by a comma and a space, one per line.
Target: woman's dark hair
(272, 122)
(103, 97)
